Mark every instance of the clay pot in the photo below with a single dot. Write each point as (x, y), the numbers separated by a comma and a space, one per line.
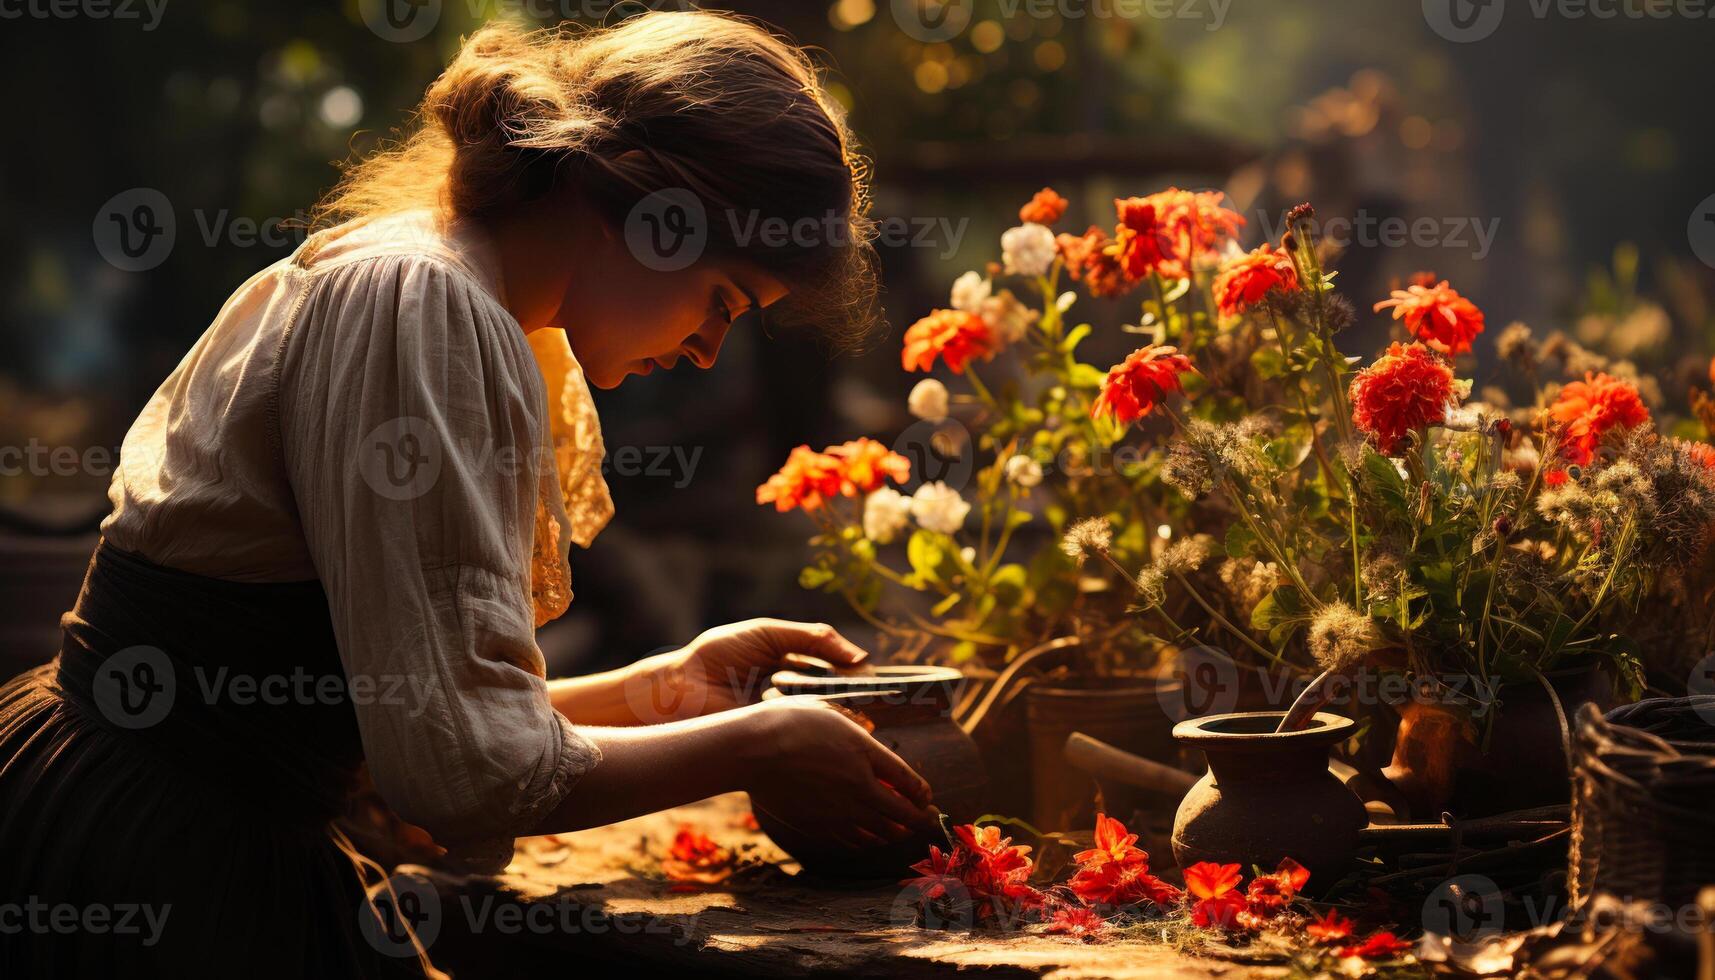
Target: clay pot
(910, 712)
(1268, 796)
(1440, 761)
(1130, 717)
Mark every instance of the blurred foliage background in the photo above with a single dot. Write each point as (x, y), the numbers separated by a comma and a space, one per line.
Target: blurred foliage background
(1565, 136)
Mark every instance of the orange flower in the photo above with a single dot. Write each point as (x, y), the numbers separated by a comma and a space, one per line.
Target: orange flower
(1079, 922)
(1243, 282)
(1215, 886)
(1269, 894)
(1116, 870)
(1330, 928)
(1436, 315)
(1589, 409)
(1093, 259)
(984, 870)
(806, 481)
(957, 336)
(1045, 208)
(1406, 390)
(694, 859)
(1169, 230)
(1700, 453)
(867, 465)
(1380, 946)
(1134, 386)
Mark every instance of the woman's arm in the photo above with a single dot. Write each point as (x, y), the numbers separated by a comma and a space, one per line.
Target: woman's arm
(802, 759)
(726, 667)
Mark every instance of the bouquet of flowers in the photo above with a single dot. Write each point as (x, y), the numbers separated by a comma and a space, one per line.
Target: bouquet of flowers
(1041, 446)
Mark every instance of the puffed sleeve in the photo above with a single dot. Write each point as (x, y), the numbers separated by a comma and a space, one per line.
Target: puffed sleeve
(411, 418)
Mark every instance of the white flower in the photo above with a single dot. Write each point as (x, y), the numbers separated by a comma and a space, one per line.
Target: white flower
(1023, 471)
(970, 291)
(938, 507)
(1027, 250)
(1007, 317)
(886, 512)
(968, 554)
(928, 400)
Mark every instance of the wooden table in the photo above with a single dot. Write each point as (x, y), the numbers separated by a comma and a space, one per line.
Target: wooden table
(599, 899)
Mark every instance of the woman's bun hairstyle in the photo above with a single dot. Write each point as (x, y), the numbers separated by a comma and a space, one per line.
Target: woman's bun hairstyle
(697, 101)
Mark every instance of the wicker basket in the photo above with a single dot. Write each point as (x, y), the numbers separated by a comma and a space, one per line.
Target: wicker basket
(1643, 802)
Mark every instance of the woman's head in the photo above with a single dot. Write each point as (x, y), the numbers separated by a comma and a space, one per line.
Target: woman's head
(717, 175)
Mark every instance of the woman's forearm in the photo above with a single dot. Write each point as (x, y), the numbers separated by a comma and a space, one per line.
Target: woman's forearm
(654, 767)
(597, 699)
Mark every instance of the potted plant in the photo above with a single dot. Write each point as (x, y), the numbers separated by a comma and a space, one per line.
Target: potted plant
(968, 568)
(1492, 562)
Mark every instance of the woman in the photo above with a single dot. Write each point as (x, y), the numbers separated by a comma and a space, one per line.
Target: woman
(338, 521)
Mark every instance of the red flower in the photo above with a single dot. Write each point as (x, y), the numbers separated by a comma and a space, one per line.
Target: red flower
(1215, 886)
(1700, 453)
(1045, 208)
(806, 481)
(1436, 315)
(1145, 240)
(986, 875)
(957, 336)
(1134, 386)
(1380, 946)
(1330, 928)
(1078, 921)
(1269, 894)
(1093, 259)
(694, 859)
(1116, 870)
(1587, 410)
(1405, 390)
(866, 465)
(1243, 282)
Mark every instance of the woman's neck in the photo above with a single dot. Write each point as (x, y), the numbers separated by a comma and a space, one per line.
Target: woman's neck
(535, 246)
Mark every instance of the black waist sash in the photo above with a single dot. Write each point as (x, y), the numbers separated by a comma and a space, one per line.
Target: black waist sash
(238, 681)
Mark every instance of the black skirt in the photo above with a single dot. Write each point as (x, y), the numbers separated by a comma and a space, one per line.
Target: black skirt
(168, 785)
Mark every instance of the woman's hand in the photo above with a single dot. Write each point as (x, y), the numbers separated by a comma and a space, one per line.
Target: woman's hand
(727, 667)
(815, 769)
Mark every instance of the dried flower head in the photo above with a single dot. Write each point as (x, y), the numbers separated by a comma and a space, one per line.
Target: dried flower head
(1340, 636)
(1518, 347)
(1092, 535)
(1151, 586)
(1186, 555)
(1248, 581)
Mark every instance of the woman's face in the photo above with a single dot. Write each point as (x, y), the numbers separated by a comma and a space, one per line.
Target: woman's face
(624, 318)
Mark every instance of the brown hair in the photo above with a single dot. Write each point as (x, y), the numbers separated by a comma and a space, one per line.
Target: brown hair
(704, 101)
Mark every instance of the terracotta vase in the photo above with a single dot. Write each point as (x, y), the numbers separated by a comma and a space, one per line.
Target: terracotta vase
(1441, 761)
(909, 710)
(1129, 715)
(1268, 796)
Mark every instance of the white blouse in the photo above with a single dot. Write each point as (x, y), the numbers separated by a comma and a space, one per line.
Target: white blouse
(367, 413)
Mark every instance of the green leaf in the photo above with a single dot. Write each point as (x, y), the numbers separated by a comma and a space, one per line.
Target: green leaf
(1074, 337)
(814, 577)
(946, 605)
(1279, 613)
(1240, 540)
(1268, 363)
(1086, 376)
(927, 557)
(1008, 583)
